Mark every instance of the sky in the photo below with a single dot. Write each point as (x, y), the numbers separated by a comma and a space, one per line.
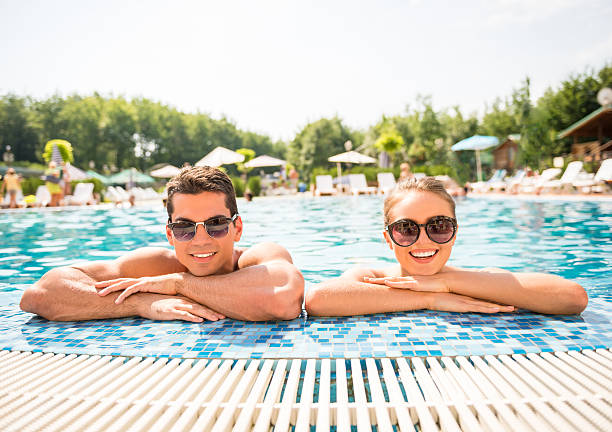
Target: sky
(274, 66)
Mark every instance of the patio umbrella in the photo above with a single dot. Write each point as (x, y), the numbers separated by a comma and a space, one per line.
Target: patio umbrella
(220, 156)
(167, 171)
(350, 157)
(93, 174)
(476, 142)
(264, 161)
(130, 175)
(75, 173)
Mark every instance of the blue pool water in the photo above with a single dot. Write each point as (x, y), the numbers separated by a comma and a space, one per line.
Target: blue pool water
(326, 236)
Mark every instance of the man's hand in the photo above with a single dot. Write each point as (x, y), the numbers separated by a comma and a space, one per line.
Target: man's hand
(457, 303)
(415, 283)
(164, 284)
(165, 308)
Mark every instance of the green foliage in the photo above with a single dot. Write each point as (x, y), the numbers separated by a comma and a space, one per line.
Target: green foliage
(248, 154)
(64, 148)
(316, 142)
(390, 142)
(254, 185)
(30, 184)
(238, 185)
(435, 170)
(98, 185)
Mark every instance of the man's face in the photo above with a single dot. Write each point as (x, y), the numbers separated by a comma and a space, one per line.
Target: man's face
(204, 255)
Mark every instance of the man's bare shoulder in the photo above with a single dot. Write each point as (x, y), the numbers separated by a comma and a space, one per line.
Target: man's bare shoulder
(261, 253)
(147, 261)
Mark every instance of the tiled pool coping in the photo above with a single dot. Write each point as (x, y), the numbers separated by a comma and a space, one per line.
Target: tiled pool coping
(421, 333)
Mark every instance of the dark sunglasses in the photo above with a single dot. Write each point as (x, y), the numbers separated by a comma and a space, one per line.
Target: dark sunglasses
(439, 229)
(216, 227)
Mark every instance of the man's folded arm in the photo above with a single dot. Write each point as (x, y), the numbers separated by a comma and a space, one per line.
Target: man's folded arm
(68, 293)
(267, 286)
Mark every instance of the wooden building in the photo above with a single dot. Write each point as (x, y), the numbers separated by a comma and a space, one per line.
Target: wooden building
(504, 155)
(592, 135)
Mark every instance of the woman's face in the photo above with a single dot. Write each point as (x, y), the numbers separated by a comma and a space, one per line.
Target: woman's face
(423, 257)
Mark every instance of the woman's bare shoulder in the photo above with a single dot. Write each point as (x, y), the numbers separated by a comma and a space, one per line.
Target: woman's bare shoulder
(361, 272)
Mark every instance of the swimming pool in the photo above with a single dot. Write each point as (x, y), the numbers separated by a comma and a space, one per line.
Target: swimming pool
(326, 236)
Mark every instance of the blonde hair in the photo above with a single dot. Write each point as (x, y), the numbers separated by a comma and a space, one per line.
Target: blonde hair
(425, 184)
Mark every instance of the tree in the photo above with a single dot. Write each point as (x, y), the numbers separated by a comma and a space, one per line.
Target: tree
(316, 142)
(17, 128)
(390, 142)
(64, 148)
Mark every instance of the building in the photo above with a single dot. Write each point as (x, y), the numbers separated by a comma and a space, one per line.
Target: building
(592, 135)
(504, 155)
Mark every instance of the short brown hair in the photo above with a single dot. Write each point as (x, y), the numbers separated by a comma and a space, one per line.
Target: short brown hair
(424, 184)
(193, 180)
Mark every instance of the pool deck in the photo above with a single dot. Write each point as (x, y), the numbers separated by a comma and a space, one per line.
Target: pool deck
(434, 370)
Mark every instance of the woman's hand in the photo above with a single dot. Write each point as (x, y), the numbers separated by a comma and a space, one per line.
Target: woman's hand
(432, 283)
(458, 303)
(164, 284)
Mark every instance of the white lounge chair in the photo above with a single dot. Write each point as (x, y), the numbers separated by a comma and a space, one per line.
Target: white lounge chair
(510, 183)
(358, 185)
(485, 186)
(386, 182)
(83, 194)
(597, 182)
(43, 197)
(570, 175)
(324, 185)
(18, 199)
(534, 184)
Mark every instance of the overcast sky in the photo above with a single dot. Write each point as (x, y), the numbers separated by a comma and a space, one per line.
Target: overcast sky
(274, 66)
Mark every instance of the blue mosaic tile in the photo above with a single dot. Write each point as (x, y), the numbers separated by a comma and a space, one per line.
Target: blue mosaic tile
(420, 333)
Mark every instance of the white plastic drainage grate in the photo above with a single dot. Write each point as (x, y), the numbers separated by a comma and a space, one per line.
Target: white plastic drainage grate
(561, 391)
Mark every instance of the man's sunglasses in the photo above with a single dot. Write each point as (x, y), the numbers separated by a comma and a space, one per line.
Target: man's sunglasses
(216, 227)
(405, 232)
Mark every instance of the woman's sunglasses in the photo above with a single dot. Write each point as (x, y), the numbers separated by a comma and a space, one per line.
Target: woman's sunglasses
(216, 227)
(439, 229)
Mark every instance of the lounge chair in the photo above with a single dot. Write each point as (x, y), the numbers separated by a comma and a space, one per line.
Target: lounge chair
(598, 182)
(570, 175)
(510, 183)
(534, 184)
(386, 182)
(18, 199)
(498, 176)
(43, 197)
(83, 194)
(324, 185)
(358, 185)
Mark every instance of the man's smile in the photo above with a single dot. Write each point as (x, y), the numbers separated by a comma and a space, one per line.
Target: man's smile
(203, 257)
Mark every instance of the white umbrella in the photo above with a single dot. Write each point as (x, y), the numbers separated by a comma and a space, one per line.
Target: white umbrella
(220, 156)
(264, 161)
(75, 173)
(476, 142)
(350, 157)
(167, 171)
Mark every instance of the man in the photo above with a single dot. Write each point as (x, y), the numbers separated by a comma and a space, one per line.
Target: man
(204, 278)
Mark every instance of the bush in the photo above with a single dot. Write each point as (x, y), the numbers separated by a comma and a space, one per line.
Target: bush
(98, 185)
(30, 184)
(254, 185)
(434, 170)
(238, 186)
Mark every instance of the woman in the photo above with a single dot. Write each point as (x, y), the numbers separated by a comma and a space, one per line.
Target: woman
(421, 230)
(53, 178)
(12, 185)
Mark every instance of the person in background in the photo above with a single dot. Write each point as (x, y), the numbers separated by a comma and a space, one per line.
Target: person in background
(52, 181)
(12, 185)
(405, 172)
(66, 186)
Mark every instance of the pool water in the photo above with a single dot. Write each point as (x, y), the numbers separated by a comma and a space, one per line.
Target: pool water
(325, 236)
